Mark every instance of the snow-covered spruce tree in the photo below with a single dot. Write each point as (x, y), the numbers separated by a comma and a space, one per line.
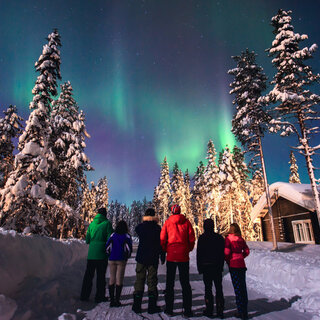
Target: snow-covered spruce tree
(124, 212)
(256, 190)
(174, 180)
(256, 186)
(178, 189)
(135, 216)
(250, 119)
(163, 193)
(88, 204)
(115, 214)
(155, 198)
(10, 128)
(145, 205)
(238, 158)
(234, 205)
(199, 199)
(24, 201)
(229, 191)
(296, 107)
(211, 184)
(67, 140)
(102, 193)
(110, 211)
(91, 201)
(187, 196)
(245, 188)
(294, 175)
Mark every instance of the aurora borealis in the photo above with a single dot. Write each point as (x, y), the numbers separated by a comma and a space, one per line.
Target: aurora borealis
(151, 77)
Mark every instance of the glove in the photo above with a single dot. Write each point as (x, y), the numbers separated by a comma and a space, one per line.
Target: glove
(163, 257)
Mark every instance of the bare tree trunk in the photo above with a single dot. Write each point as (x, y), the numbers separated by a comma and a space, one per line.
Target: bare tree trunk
(307, 155)
(266, 186)
(231, 211)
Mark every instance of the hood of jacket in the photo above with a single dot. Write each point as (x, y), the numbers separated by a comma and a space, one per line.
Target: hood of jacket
(150, 218)
(177, 218)
(99, 218)
(233, 237)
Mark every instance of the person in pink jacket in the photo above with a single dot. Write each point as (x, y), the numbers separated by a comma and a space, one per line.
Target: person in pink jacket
(235, 251)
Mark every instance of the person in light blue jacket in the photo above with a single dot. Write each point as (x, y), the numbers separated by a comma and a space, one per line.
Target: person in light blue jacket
(119, 249)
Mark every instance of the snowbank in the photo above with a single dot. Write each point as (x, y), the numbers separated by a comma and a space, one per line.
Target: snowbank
(35, 272)
(292, 272)
(7, 307)
(41, 277)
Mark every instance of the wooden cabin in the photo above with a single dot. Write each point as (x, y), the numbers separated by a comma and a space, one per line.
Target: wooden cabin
(293, 210)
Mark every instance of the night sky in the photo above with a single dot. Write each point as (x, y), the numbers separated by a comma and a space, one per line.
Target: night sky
(151, 77)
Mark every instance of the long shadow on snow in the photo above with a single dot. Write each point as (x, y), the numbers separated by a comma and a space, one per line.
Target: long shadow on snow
(130, 280)
(258, 307)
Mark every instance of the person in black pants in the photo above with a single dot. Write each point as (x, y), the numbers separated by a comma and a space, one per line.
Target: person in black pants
(99, 231)
(177, 240)
(148, 253)
(210, 261)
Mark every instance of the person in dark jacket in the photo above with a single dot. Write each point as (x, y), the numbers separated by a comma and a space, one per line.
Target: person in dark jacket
(210, 261)
(118, 248)
(147, 258)
(98, 233)
(236, 250)
(177, 240)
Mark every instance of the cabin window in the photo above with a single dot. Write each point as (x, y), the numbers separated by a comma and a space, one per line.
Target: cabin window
(302, 230)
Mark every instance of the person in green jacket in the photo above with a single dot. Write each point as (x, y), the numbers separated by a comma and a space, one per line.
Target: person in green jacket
(99, 231)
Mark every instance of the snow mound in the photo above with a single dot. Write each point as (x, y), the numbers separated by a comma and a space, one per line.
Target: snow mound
(7, 307)
(293, 271)
(42, 275)
(67, 316)
(29, 256)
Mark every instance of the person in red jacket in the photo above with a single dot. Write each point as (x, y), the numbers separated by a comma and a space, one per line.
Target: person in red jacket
(235, 251)
(177, 240)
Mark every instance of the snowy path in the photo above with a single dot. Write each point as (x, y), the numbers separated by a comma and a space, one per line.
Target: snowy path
(260, 307)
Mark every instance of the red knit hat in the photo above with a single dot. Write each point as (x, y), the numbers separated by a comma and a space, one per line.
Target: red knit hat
(175, 209)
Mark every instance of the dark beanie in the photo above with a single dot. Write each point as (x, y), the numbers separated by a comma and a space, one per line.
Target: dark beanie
(208, 225)
(150, 212)
(102, 211)
(175, 209)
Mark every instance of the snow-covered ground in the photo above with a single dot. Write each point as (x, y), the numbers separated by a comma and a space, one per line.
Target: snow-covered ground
(40, 278)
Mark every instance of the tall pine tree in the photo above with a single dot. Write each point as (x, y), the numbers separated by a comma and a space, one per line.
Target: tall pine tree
(199, 199)
(178, 189)
(229, 188)
(162, 198)
(294, 175)
(187, 196)
(10, 128)
(24, 201)
(296, 107)
(250, 120)
(211, 183)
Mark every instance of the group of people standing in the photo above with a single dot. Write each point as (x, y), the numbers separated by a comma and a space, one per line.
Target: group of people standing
(171, 244)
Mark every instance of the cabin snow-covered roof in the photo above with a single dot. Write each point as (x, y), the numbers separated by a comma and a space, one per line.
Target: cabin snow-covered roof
(300, 194)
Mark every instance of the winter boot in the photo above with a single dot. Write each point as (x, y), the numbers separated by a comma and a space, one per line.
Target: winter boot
(208, 311)
(220, 307)
(137, 300)
(152, 304)
(118, 294)
(111, 294)
(169, 299)
(187, 302)
(187, 313)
